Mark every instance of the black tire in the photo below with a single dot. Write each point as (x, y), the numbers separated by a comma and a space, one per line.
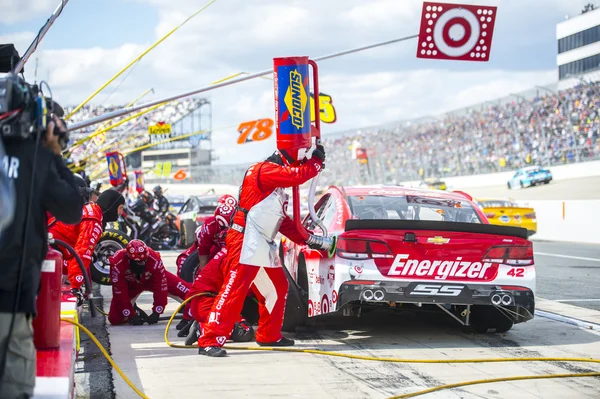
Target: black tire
(110, 242)
(296, 307)
(188, 269)
(186, 236)
(508, 185)
(522, 185)
(486, 319)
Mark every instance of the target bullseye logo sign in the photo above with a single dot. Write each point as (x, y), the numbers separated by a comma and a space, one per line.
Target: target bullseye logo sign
(456, 32)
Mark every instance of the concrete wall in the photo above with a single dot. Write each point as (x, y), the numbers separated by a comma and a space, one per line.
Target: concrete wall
(572, 221)
(561, 172)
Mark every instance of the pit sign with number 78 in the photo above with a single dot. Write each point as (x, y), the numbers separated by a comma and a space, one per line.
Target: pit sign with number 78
(262, 129)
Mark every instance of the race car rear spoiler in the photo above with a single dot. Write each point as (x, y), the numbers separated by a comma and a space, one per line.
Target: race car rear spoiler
(353, 224)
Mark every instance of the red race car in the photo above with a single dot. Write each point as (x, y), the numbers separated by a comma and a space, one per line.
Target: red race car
(411, 249)
(192, 215)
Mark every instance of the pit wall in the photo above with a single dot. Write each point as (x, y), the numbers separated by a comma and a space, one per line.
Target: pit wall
(570, 221)
(561, 172)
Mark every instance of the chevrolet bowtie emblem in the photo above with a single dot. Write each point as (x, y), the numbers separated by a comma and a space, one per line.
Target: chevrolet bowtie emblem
(438, 240)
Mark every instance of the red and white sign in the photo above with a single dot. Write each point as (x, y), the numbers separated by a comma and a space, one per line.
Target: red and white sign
(456, 32)
(456, 269)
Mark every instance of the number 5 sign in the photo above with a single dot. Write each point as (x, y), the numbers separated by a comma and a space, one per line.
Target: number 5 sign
(456, 32)
(327, 111)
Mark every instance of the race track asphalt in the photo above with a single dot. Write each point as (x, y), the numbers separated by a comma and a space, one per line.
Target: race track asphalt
(584, 188)
(568, 273)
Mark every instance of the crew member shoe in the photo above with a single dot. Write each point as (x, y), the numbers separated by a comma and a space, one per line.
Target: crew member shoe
(282, 342)
(182, 323)
(194, 334)
(186, 328)
(212, 351)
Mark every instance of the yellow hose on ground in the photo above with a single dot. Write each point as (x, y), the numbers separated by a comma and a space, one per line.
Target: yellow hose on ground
(400, 360)
(491, 380)
(393, 360)
(107, 356)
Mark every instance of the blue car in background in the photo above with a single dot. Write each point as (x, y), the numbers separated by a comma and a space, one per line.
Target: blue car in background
(530, 176)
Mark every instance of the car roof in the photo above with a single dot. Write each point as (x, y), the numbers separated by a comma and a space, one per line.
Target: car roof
(397, 190)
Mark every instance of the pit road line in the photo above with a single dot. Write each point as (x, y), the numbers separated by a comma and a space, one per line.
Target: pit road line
(567, 256)
(576, 300)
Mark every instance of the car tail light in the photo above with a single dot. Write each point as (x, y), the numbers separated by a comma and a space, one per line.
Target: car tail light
(513, 288)
(489, 215)
(529, 215)
(358, 249)
(521, 255)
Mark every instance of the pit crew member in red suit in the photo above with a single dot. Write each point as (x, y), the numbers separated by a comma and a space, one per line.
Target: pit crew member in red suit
(252, 260)
(210, 239)
(209, 235)
(83, 236)
(210, 281)
(134, 270)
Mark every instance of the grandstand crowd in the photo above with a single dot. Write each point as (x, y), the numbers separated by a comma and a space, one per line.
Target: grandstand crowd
(547, 129)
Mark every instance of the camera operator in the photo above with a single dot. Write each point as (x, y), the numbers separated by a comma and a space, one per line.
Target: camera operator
(42, 183)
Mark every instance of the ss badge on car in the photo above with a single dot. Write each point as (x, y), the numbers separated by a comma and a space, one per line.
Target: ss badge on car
(435, 289)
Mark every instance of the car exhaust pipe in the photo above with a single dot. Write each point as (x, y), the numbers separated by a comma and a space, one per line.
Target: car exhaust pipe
(367, 295)
(506, 300)
(378, 295)
(496, 299)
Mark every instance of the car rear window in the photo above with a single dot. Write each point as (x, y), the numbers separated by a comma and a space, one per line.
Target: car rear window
(412, 207)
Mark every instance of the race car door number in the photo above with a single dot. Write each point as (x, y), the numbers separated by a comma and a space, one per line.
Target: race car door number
(437, 290)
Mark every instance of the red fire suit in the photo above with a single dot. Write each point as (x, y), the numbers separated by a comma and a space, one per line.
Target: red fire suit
(210, 279)
(208, 242)
(83, 237)
(126, 287)
(268, 283)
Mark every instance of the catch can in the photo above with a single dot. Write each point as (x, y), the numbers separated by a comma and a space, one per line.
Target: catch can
(292, 104)
(46, 324)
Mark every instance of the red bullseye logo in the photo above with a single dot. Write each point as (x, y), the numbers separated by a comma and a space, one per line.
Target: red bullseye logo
(456, 31)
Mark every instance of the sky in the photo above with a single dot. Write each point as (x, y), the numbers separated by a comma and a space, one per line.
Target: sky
(94, 39)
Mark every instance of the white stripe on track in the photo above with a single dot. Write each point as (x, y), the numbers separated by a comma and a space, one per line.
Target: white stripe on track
(567, 256)
(576, 300)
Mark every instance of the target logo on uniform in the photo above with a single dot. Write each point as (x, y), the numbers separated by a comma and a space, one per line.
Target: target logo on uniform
(456, 32)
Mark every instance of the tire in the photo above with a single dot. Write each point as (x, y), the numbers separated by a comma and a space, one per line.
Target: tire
(508, 185)
(188, 269)
(296, 307)
(186, 236)
(486, 319)
(110, 242)
(521, 183)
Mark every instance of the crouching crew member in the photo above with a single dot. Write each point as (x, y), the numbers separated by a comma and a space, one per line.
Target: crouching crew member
(134, 270)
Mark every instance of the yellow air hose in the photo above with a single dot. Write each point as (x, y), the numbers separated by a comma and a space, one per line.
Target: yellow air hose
(369, 358)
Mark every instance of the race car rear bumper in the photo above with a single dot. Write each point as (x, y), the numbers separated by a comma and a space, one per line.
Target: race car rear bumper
(518, 299)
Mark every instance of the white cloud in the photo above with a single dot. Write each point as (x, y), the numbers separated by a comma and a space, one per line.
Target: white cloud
(369, 88)
(14, 11)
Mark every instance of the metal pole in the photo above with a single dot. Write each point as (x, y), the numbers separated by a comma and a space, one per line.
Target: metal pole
(33, 46)
(129, 110)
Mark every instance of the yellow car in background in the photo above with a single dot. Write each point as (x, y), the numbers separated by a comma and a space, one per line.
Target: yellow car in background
(506, 212)
(433, 183)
